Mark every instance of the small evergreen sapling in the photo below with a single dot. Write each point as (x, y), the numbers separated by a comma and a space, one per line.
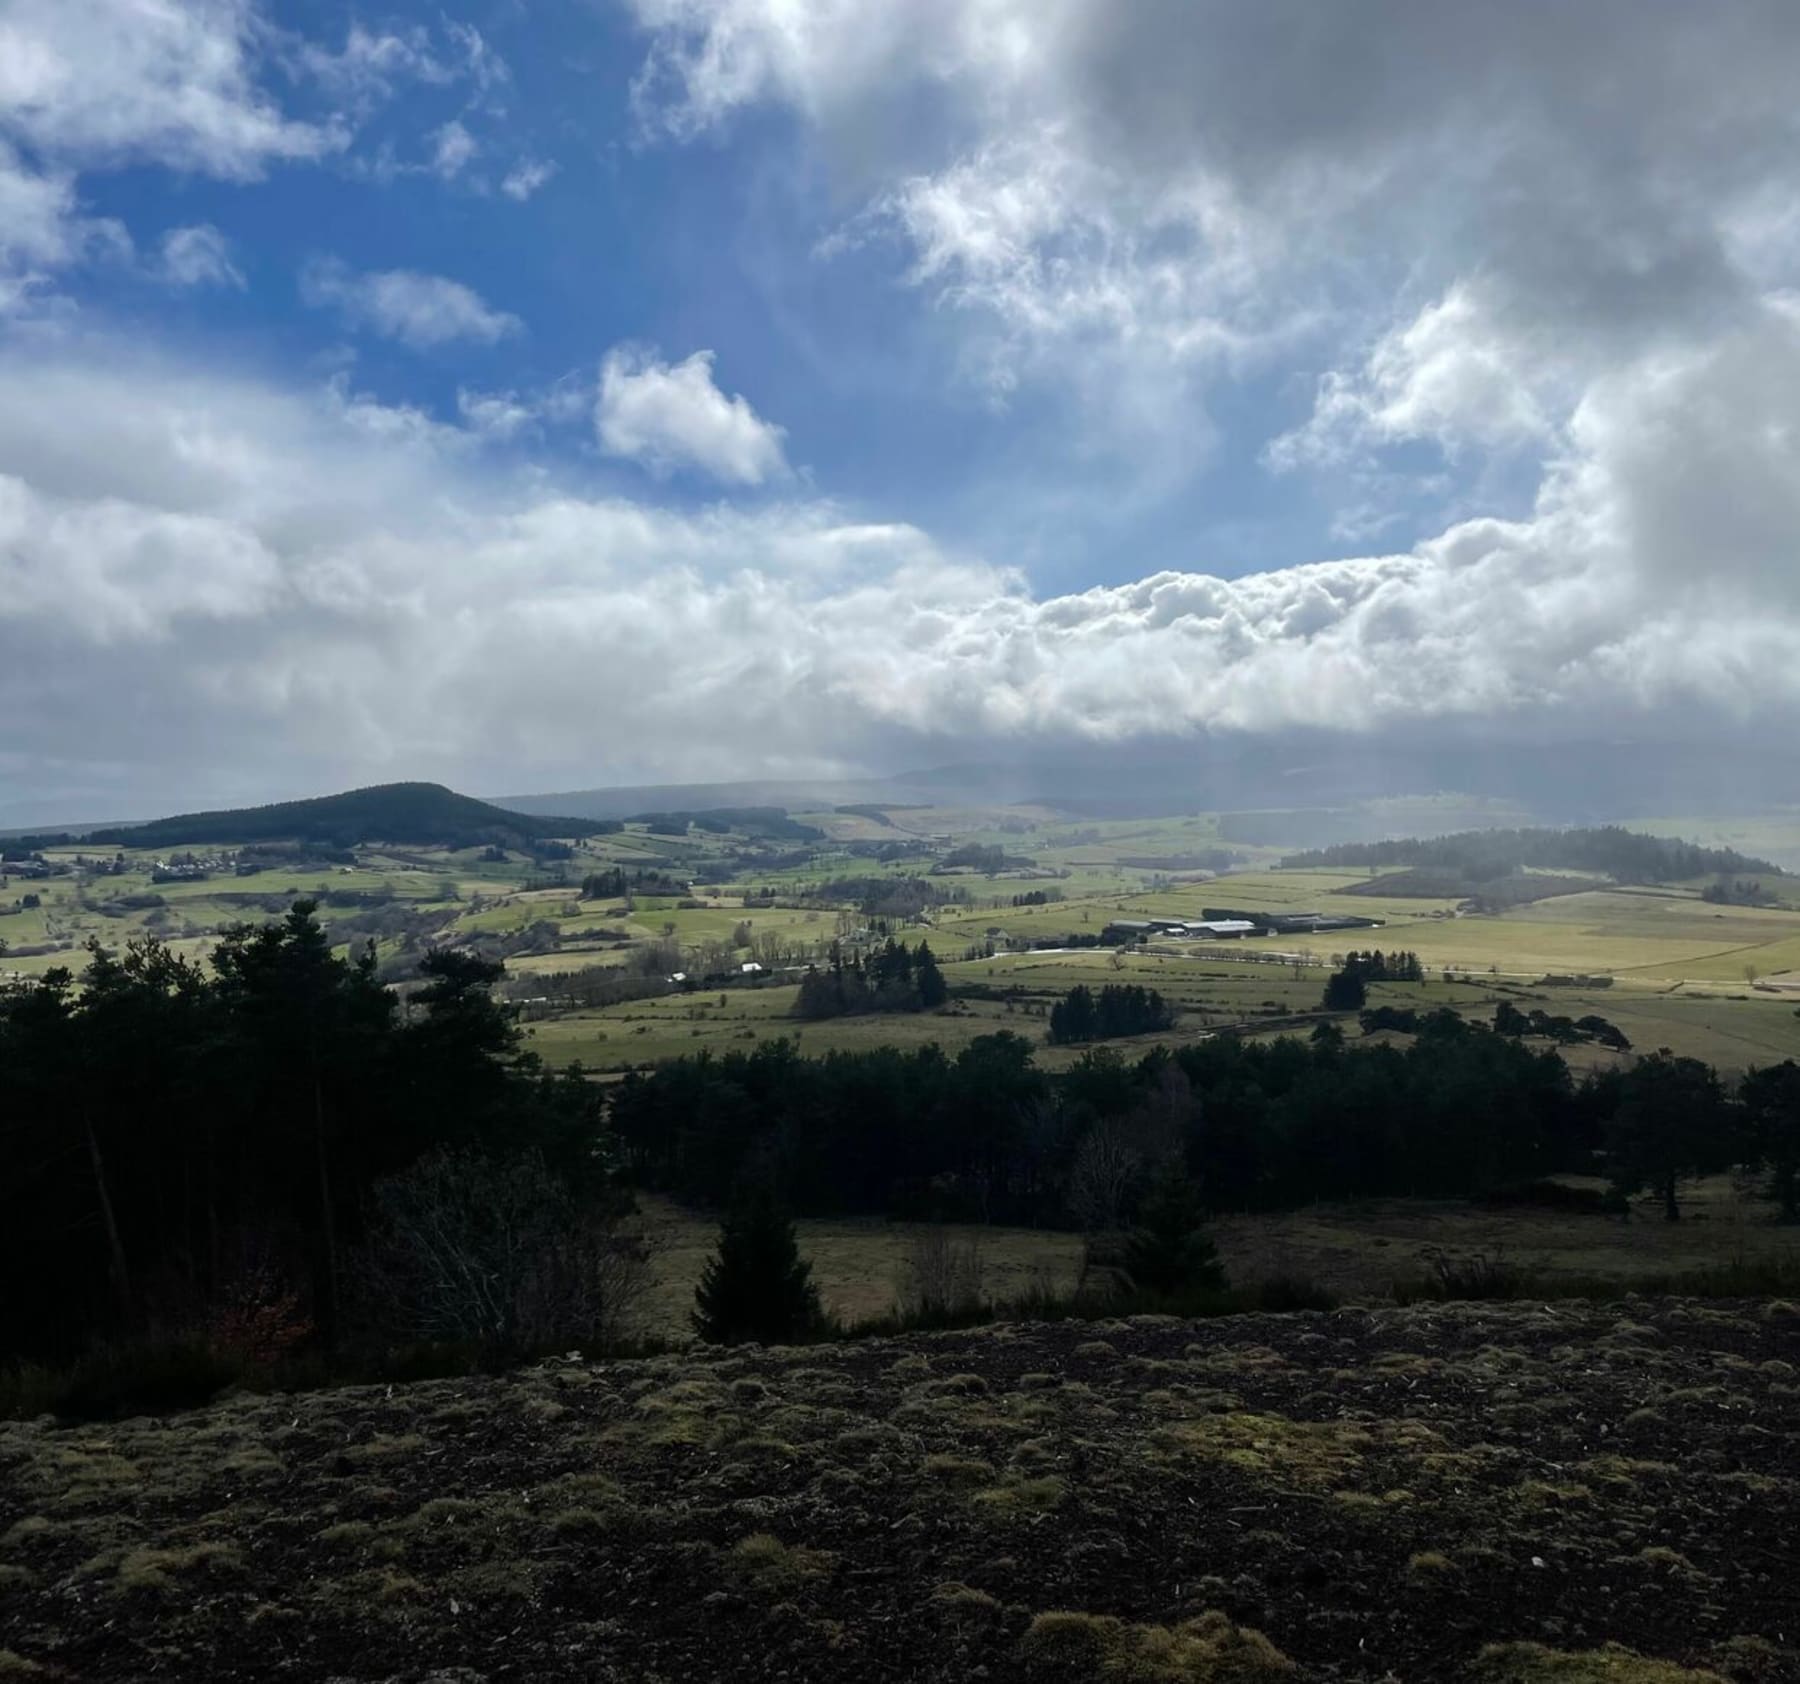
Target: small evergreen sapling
(1168, 1252)
(758, 1289)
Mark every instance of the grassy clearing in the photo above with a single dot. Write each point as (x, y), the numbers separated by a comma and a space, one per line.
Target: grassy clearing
(857, 1264)
(1361, 1250)
(1358, 1252)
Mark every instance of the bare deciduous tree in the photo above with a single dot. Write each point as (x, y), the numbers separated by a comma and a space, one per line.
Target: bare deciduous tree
(1100, 1176)
(501, 1255)
(941, 1275)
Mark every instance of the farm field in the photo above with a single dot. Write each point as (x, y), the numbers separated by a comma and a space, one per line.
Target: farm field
(1474, 1493)
(1667, 935)
(1732, 1028)
(1683, 970)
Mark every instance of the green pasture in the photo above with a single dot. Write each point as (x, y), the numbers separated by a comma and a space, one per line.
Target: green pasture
(1731, 1028)
(1683, 968)
(645, 1031)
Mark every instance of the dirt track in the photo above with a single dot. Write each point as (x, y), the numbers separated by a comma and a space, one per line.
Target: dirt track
(1381, 1495)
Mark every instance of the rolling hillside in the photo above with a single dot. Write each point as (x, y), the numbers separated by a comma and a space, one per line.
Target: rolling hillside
(421, 814)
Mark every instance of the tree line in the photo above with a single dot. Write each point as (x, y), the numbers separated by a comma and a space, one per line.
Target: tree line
(893, 978)
(1628, 856)
(615, 883)
(984, 1134)
(1118, 1009)
(1347, 988)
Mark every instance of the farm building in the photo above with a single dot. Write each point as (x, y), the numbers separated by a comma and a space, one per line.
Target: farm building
(1221, 929)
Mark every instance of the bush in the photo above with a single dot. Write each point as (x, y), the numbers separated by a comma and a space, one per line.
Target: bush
(470, 1251)
(1476, 1275)
(153, 1375)
(941, 1279)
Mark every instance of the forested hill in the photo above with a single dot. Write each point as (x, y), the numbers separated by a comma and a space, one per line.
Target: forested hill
(1628, 856)
(424, 814)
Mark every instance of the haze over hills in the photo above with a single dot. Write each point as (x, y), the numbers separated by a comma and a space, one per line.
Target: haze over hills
(625, 801)
(1309, 795)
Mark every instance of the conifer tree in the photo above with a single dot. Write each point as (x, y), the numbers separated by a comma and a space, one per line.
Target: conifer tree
(933, 990)
(758, 1289)
(1168, 1251)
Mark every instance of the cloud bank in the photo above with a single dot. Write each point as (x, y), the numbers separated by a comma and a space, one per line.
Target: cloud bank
(1522, 279)
(162, 539)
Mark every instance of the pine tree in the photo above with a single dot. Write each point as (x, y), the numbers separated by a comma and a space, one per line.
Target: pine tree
(1345, 990)
(758, 1289)
(1168, 1251)
(1668, 1127)
(933, 990)
(1771, 1099)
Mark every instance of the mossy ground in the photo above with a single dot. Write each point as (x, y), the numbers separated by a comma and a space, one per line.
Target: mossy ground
(1507, 1494)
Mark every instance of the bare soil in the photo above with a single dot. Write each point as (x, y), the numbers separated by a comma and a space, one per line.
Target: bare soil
(1365, 1495)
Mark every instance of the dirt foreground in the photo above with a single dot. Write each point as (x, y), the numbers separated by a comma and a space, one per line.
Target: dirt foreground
(1573, 1494)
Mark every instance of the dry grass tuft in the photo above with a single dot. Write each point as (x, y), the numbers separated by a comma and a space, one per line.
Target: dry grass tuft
(958, 1601)
(158, 1569)
(963, 1471)
(763, 1561)
(1306, 1453)
(1209, 1650)
(348, 1535)
(1016, 1497)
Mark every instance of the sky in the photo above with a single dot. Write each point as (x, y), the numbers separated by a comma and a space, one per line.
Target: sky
(631, 391)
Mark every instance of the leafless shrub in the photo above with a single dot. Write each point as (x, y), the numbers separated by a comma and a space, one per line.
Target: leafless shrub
(941, 1276)
(499, 1255)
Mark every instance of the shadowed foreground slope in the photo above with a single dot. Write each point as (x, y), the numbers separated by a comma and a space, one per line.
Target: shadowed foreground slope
(1363, 1495)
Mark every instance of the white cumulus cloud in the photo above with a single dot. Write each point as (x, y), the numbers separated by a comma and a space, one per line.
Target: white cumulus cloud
(669, 416)
(452, 148)
(525, 178)
(124, 81)
(499, 415)
(421, 311)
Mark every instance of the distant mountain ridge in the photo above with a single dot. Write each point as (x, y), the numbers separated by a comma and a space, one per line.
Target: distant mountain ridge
(417, 813)
(626, 801)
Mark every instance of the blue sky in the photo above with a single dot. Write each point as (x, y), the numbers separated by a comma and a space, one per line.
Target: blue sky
(629, 389)
(713, 244)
